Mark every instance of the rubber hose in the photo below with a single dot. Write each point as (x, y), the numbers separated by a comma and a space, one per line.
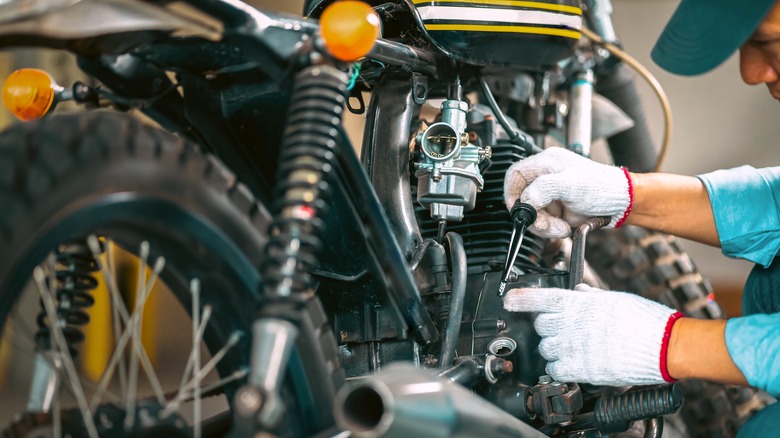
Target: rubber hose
(614, 414)
(457, 296)
(634, 147)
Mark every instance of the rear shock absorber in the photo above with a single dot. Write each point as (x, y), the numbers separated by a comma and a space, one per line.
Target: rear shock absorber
(303, 191)
(303, 187)
(75, 266)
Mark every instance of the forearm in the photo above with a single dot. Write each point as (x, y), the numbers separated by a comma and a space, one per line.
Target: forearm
(697, 350)
(673, 204)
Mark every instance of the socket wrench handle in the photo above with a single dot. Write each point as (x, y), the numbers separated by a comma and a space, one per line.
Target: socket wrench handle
(577, 265)
(523, 215)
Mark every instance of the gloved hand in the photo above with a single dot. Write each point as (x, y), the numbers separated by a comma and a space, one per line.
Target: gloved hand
(594, 336)
(566, 188)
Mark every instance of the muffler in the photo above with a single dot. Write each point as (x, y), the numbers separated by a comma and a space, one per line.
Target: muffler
(403, 401)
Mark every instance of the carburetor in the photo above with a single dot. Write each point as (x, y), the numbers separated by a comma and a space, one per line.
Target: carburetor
(448, 172)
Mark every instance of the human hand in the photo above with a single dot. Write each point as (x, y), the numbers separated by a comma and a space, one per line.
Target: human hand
(566, 188)
(599, 337)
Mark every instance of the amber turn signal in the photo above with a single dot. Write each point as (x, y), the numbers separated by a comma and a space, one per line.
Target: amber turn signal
(29, 93)
(349, 29)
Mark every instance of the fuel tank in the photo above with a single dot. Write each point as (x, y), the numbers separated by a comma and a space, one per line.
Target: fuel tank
(526, 34)
(532, 35)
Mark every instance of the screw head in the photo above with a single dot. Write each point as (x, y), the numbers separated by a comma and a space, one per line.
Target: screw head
(248, 401)
(545, 379)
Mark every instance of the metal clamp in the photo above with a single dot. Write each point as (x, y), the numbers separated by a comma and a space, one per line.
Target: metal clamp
(555, 402)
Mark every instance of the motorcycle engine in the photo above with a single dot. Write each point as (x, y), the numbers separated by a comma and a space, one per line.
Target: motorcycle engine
(485, 225)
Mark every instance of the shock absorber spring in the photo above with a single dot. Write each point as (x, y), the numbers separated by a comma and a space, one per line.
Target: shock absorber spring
(303, 187)
(74, 268)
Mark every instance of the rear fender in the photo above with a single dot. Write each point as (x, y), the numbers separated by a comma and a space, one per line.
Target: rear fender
(86, 20)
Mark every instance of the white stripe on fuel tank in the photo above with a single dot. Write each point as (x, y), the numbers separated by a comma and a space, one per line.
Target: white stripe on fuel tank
(514, 16)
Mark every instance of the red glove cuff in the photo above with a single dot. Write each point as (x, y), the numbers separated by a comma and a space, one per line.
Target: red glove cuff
(630, 199)
(665, 346)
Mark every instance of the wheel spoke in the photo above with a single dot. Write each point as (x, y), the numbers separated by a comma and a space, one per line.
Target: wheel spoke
(205, 389)
(56, 418)
(186, 390)
(191, 359)
(124, 338)
(55, 361)
(105, 378)
(59, 338)
(127, 327)
(188, 370)
(159, 264)
(85, 382)
(210, 365)
(117, 305)
(195, 289)
(140, 288)
(151, 375)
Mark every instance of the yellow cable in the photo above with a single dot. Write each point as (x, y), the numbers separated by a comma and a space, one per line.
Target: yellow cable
(647, 76)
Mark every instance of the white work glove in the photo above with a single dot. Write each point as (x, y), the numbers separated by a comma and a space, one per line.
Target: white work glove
(599, 337)
(566, 188)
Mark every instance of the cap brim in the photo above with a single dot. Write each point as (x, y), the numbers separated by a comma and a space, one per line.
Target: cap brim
(703, 33)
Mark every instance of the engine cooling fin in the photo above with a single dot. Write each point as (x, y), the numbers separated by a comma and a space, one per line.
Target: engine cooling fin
(487, 229)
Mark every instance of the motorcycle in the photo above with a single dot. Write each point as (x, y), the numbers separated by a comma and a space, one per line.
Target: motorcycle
(305, 269)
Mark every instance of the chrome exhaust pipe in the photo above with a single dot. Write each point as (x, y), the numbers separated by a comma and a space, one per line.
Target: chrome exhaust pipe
(403, 401)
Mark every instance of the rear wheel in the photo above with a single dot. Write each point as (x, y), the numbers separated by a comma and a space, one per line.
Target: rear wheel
(653, 265)
(69, 180)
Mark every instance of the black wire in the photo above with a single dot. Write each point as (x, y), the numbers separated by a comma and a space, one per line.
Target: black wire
(514, 136)
(442, 230)
(459, 267)
(420, 253)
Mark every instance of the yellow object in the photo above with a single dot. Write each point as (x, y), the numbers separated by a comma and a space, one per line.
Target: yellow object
(349, 29)
(99, 339)
(29, 93)
(99, 342)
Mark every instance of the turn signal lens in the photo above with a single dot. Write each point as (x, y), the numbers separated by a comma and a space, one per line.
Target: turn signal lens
(349, 29)
(29, 93)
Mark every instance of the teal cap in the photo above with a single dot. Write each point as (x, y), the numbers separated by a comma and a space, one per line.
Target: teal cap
(703, 33)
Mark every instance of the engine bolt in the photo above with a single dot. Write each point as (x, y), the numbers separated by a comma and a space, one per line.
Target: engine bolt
(249, 399)
(545, 379)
